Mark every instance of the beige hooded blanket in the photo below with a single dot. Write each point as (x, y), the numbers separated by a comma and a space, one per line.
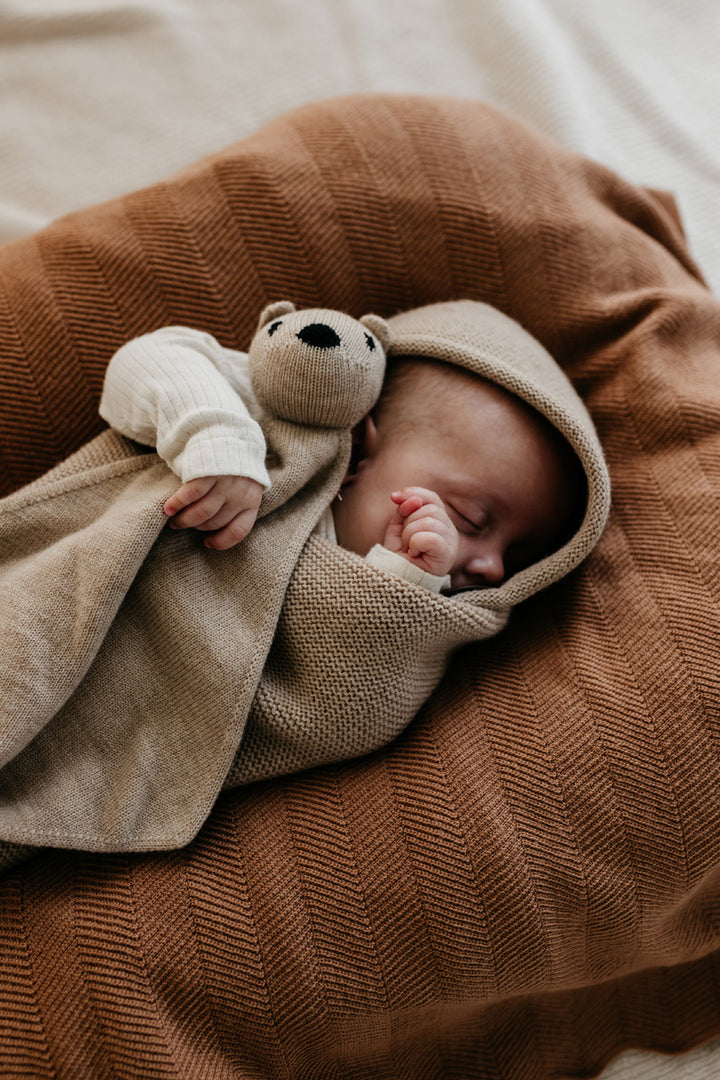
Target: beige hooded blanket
(142, 672)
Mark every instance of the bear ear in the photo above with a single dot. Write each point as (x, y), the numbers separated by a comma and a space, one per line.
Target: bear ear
(274, 311)
(377, 326)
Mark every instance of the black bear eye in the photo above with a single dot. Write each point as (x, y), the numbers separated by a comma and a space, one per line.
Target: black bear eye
(273, 327)
(370, 342)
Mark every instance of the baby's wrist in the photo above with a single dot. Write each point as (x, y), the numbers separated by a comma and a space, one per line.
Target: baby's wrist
(395, 562)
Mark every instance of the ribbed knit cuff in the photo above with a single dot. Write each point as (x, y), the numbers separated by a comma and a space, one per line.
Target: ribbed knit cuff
(220, 450)
(384, 559)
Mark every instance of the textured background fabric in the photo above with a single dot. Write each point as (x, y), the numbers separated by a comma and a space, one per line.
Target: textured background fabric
(525, 882)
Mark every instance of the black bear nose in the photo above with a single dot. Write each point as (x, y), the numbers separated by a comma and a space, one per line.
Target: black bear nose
(319, 335)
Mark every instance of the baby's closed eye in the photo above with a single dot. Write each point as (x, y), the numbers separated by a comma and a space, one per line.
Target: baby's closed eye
(469, 519)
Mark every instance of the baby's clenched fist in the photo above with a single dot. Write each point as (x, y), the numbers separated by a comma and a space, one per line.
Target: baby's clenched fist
(422, 532)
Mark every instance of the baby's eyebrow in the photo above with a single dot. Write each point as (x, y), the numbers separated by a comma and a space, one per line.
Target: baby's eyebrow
(471, 489)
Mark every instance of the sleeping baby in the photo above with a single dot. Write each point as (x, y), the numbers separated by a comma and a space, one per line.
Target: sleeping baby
(454, 482)
(280, 584)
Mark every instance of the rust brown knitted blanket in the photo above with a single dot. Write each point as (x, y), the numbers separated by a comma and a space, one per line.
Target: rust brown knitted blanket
(524, 883)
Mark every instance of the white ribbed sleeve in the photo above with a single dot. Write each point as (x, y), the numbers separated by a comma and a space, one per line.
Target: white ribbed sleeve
(179, 390)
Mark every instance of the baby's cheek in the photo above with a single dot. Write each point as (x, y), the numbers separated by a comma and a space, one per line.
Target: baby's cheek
(352, 529)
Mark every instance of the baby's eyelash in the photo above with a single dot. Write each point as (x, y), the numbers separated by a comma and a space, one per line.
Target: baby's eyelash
(476, 526)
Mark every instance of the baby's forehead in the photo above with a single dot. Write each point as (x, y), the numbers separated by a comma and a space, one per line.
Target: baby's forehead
(427, 394)
(425, 383)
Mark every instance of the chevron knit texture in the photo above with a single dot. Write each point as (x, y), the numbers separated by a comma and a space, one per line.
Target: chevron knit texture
(526, 881)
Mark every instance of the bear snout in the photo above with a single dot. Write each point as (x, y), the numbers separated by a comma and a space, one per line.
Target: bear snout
(319, 336)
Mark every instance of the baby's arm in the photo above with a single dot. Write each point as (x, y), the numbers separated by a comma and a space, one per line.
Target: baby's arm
(178, 390)
(421, 531)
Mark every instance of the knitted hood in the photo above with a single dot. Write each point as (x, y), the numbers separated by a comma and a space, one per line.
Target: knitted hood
(484, 340)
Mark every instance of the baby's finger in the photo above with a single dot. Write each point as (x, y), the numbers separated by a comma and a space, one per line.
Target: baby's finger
(232, 533)
(226, 513)
(407, 506)
(188, 494)
(198, 513)
(426, 524)
(424, 494)
(409, 500)
(427, 543)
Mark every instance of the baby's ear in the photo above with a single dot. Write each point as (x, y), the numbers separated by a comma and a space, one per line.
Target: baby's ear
(274, 311)
(363, 444)
(377, 326)
(365, 437)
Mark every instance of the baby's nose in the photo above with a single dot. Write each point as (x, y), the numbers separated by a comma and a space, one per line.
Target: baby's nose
(488, 568)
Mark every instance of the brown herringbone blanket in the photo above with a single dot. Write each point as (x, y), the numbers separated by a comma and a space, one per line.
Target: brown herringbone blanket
(524, 883)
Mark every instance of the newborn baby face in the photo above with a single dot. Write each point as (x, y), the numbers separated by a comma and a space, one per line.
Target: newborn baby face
(510, 485)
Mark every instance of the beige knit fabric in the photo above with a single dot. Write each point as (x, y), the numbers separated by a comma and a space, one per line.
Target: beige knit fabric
(376, 654)
(143, 671)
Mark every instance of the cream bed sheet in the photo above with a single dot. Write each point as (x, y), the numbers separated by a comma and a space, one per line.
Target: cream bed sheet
(98, 97)
(101, 96)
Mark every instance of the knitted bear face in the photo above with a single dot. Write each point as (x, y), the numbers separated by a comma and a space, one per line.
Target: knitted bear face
(317, 367)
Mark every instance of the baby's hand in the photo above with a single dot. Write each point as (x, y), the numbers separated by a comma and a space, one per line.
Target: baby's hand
(224, 506)
(422, 532)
